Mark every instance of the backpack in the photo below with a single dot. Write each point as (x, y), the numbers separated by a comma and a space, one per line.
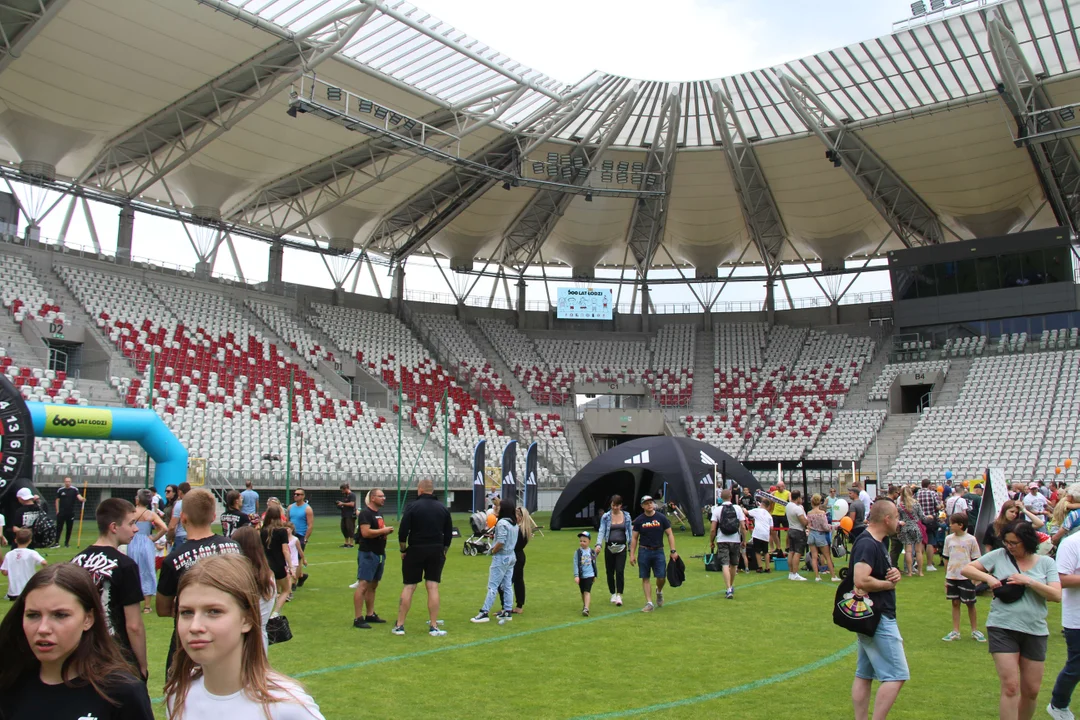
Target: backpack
(729, 520)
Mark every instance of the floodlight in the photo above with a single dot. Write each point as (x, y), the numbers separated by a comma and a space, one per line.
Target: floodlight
(608, 165)
(936, 5)
(639, 167)
(635, 179)
(553, 157)
(409, 124)
(606, 177)
(578, 161)
(1067, 114)
(395, 118)
(1042, 121)
(918, 8)
(333, 94)
(567, 171)
(624, 166)
(564, 159)
(366, 106)
(381, 112)
(552, 170)
(538, 168)
(622, 177)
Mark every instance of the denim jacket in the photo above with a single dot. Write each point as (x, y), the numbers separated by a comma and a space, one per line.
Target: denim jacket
(584, 563)
(605, 528)
(507, 534)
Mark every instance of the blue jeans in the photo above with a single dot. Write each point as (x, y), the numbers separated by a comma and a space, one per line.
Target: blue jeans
(881, 656)
(501, 575)
(651, 560)
(1070, 674)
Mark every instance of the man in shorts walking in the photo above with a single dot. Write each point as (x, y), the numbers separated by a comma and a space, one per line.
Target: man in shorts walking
(881, 656)
(728, 527)
(649, 529)
(424, 535)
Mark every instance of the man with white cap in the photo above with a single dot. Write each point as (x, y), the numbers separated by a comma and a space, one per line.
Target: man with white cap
(1035, 501)
(649, 530)
(27, 512)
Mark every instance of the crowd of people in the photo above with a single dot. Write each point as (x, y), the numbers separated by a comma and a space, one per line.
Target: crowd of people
(78, 643)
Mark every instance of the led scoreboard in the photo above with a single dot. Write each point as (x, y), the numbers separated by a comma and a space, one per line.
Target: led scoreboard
(577, 303)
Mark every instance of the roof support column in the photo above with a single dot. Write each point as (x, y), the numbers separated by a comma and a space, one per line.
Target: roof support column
(521, 303)
(275, 263)
(124, 234)
(397, 289)
(645, 302)
(906, 213)
(770, 302)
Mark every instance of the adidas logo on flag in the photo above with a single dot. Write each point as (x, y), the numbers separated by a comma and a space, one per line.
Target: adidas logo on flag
(531, 479)
(479, 479)
(509, 479)
(640, 459)
(706, 460)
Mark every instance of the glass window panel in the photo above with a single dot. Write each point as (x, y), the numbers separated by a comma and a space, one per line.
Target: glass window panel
(967, 276)
(993, 328)
(988, 275)
(925, 280)
(1058, 264)
(1011, 270)
(1033, 268)
(1057, 321)
(907, 287)
(1035, 326)
(946, 278)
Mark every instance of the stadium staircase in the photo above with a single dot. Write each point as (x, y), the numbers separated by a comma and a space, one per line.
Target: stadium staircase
(881, 454)
(959, 368)
(704, 355)
(521, 395)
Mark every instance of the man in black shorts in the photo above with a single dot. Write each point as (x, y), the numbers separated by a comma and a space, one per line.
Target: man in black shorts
(347, 505)
(424, 535)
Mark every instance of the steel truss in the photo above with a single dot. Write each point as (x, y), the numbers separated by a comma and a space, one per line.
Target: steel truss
(1052, 152)
(141, 156)
(20, 22)
(906, 213)
(527, 233)
(762, 217)
(647, 217)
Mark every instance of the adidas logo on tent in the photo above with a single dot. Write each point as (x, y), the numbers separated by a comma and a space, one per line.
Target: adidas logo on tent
(640, 459)
(707, 480)
(706, 460)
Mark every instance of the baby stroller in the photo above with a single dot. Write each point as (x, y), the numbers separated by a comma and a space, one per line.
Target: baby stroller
(480, 541)
(839, 548)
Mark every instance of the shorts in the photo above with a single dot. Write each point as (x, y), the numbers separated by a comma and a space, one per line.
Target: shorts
(779, 521)
(585, 584)
(819, 539)
(369, 566)
(962, 590)
(796, 540)
(424, 562)
(651, 560)
(761, 547)
(1030, 647)
(881, 656)
(728, 553)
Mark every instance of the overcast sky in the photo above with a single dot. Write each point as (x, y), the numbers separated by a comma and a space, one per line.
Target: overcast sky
(567, 39)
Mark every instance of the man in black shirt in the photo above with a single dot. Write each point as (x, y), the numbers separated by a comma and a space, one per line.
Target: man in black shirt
(117, 579)
(647, 550)
(427, 529)
(66, 497)
(370, 558)
(28, 510)
(197, 515)
(881, 656)
(347, 505)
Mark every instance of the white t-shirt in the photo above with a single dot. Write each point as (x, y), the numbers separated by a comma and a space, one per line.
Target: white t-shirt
(866, 501)
(294, 551)
(20, 564)
(721, 537)
(1068, 562)
(762, 523)
(201, 704)
(1035, 503)
(955, 504)
(794, 511)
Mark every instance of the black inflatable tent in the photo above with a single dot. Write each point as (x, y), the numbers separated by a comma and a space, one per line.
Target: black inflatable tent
(641, 467)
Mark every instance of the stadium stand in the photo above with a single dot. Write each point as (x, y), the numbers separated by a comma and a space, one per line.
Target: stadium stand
(22, 293)
(880, 389)
(848, 435)
(1061, 441)
(518, 352)
(671, 377)
(290, 330)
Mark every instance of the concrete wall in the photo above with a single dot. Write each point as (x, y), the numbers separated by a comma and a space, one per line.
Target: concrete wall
(623, 422)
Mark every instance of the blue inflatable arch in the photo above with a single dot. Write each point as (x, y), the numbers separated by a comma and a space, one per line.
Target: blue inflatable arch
(108, 423)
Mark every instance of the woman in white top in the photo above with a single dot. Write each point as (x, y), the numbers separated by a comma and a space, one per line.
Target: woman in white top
(220, 668)
(251, 546)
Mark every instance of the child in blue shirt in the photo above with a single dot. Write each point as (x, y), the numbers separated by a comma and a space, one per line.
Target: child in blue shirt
(584, 570)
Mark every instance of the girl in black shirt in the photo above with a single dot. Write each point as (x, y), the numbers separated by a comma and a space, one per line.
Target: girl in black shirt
(275, 538)
(59, 661)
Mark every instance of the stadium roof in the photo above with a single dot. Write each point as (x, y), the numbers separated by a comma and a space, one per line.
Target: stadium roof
(406, 135)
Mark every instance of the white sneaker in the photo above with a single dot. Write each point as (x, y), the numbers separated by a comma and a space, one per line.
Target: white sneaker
(1059, 713)
(354, 585)
(614, 599)
(931, 568)
(836, 579)
(817, 578)
(798, 578)
(618, 600)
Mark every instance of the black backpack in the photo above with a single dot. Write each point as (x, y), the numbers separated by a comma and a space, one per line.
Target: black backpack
(729, 520)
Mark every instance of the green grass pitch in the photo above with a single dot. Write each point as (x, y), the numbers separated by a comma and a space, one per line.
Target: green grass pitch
(771, 653)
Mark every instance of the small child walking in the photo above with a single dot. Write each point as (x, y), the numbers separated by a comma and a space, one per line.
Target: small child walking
(584, 570)
(296, 557)
(960, 549)
(21, 563)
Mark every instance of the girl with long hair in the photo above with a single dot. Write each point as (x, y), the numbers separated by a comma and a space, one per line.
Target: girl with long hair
(59, 659)
(142, 547)
(1011, 511)
(909, 535)
(501, 574)
(526, 526)
(221, 669)
(275, 541)
(251, 547)
(820, 527)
